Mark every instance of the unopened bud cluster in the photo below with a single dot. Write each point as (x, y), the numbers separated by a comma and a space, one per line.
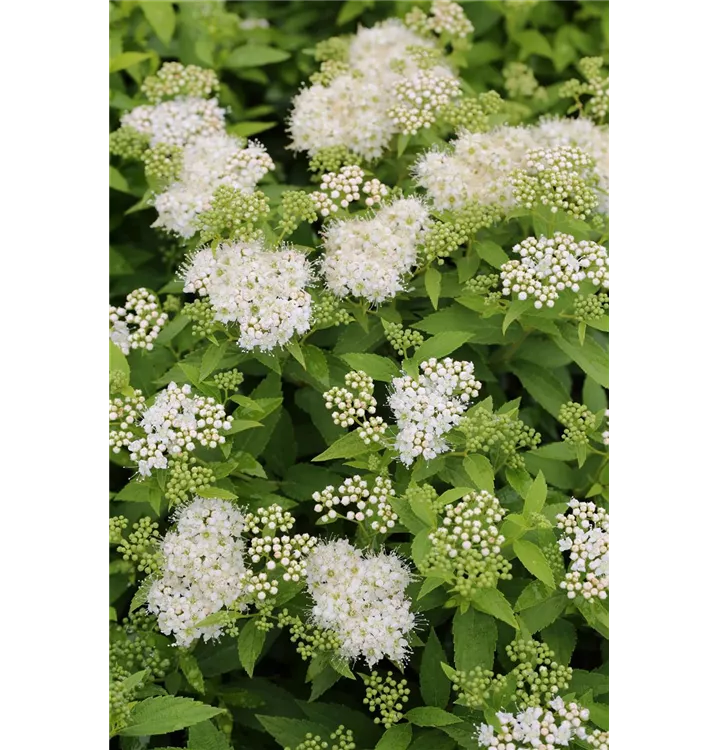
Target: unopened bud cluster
(124, 417)
(445, 18)
(341, 739)
(138, 323)
(549, 266)
(229, 380)
(163, 162)
(234, 214)
(585, 538)
(174, 79)
(297, 207)
(476, 686)
(185, 478)
(128, 143)
(539, 678)
(467, 544)
(386, 696)
(579, 422)
(519, 80)
(328, 311)
(141, 546)
(355, 404)
(339, 189)
(595, 86)
(590, 306)
(420, 99)
(499, 435)
(363, 503)
(402, 339)
(559, 178)
(201, 314)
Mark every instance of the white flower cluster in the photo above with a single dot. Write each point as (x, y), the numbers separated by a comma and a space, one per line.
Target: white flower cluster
(536, 728)
(339, 189)
(353, 109)
(264, 291)
(176, 122)
(207, 163)
(427, 408)
(203, 570)
(550, 265)
(369, 257)
(445, 17)
(371, 505)
(420, 98)
(138, 323)
(355, 404)
(126, 410)
(476, 168)
(176, 422)
(361, 597)
(585, 537)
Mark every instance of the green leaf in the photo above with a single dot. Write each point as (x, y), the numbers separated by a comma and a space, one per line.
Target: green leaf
(427, 716)
(397, 737)
(423, 510)
(296, 351)
(290, 732)
(249, 645)
(206, 736)
(140, 596)
(316, 363)
(420, 547)
(536, 496)
(127, 60)
(534, 560)
(475, 636)
(402, 142)
(519, 479)
(595, 614)
(516, 309)
(190, 669)
(494, 603)
(451, 495)
(430, 583)
(560, 637)
(434, 685)
(118, 362)
(217, 492)
(240, 425)
(543, 614)
(492, 253)
(533, 42)
(161, 17)
(348, 446)
(211, 359)
(592, 358)
(376, 367)
(118, 181)
(432, 281)
(250, 127)
(254, 55)
(441, 346)
(166, 713)
(480, 471)
(543, 386)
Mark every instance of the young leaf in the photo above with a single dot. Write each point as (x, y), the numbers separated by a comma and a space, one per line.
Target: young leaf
(190, 669)
(254, 55)
(428, 716)
(249, 645)
(536, 496)
(480, 471)
(441, 346)
(434, 685)
(494, 603)
(161, 17)
(348, 446)
(534, 560)
(166, 713)
(432, 281)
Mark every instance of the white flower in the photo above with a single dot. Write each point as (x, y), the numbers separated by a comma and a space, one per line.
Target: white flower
(427, 408)
(203, 570)
(264, 291)
(361, 597)
(207, 163)
(369, 257)
(176, 122)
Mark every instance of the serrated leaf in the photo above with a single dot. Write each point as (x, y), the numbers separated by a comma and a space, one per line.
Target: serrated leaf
(166, 713)
(296, 351)
(316, 363)
(543, 614)
(430, 583)
(428, 716)
(205, 736)
(494, 603)
(249, 645)
(441, 346)
(255, 55)
(543, 386)
(376, 367)
(190, 669)
(140, 596)
(348, 446)
(161, 17)
(423, 511)
(420, 547)
(536, 496)
(435, 687)
(289, 732)
(516, 309)
(534, 560)
(560, 637)
(432, 281)
(211, 359)
(475, 635)
(397, 737)
(492, 253)
(217, 492)
(592, 358)
(480, 471)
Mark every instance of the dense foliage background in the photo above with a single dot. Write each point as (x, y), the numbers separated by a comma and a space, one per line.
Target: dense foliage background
(531, 363)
